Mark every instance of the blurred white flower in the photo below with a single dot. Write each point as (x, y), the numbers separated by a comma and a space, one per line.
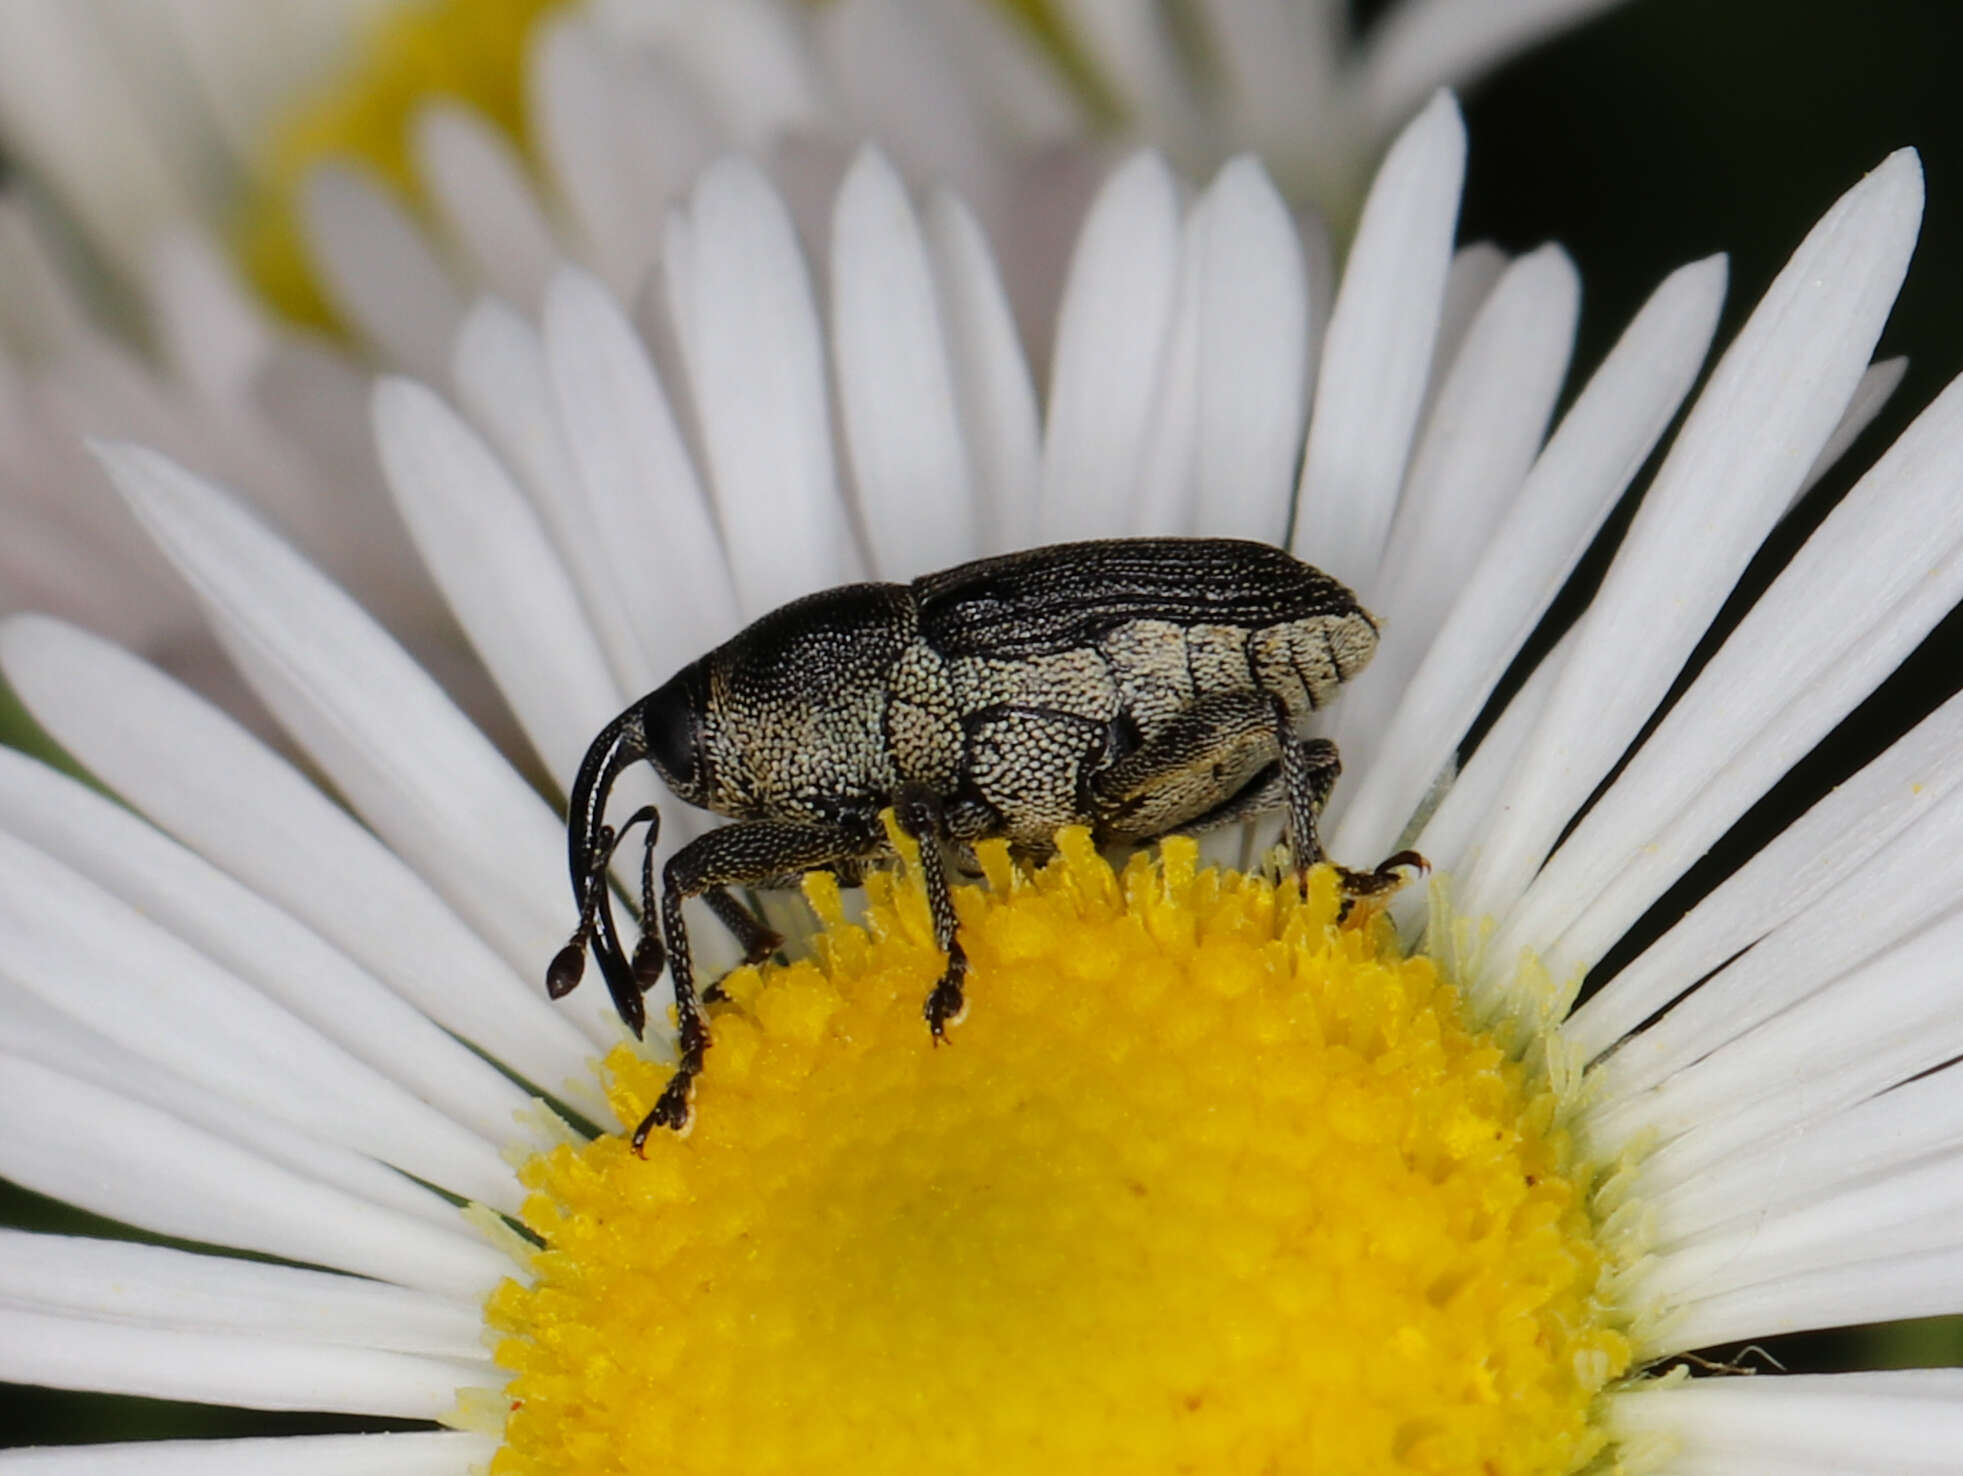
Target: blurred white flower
(138, 129)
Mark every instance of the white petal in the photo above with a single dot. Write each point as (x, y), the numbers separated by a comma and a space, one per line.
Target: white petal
(1469, 281)
(39, 306)
(1029, 100)
(256, 942)
(1905, 1213)
(1880, 847)
(72, 111)
(1319, 266)
(620, 138)
(1377, 352)
(209, 328)
(1903, 1420)
(1160, 500)
(1881, 1024)
(1420, 45)
(90, 956)
(1474, 272)
(895, 386)
(1112, 331)
(749, 330)
(244, 62)
(117, 1280)
(753, 60)
(502, 579)
(193, 771)
(413, 766)
(1870, 398)
(1769, 406)
(1870, 584)
(1472, 460)
(104, 1153)
(1450, 835)
(503, 383)
(35, 1030)
(1282, 95)
(1909, 1211)
(1883, 1289)
(1595, 452)
(407, 1453)
(1479, 438)
(315, 398)
(380, 271)
(902, 84)
(209, 1368)
(475, 179)
(1132, 47)
(1253, 356)
(571, 99)
(667, 560)
(1900, 1126)
(998, 403)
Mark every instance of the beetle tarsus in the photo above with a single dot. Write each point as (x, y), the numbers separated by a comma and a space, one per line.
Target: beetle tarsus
(673, 1109)
(946, 1004)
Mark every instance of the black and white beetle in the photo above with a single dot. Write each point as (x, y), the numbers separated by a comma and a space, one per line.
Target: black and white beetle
(1136, 686)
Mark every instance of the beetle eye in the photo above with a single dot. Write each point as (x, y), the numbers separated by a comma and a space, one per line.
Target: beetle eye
(671, 717)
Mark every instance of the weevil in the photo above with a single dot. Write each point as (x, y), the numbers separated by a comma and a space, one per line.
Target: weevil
(1135, 686)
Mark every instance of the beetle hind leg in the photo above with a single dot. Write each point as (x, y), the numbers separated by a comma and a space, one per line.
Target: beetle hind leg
(1229, 735)
(1309, 770)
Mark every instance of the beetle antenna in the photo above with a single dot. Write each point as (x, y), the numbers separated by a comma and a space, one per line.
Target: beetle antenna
(589, 846)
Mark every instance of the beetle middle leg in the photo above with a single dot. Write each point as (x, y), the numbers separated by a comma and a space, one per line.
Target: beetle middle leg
(918, 813)
(757, 938)
(743, 854)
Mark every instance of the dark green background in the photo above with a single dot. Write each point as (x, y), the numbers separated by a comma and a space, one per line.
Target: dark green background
(1669, 129)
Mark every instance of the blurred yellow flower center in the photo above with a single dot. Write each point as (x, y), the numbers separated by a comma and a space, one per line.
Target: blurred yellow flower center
(1206, 1182)
(469, 51)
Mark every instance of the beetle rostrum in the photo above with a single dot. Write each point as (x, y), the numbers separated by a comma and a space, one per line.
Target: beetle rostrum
(1134, 686)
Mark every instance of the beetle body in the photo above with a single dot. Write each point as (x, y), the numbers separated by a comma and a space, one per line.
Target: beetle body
(1135, 686)
(1011, 687)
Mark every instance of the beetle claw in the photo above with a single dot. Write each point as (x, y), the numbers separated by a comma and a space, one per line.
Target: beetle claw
(1383, 879)
(674, 1109)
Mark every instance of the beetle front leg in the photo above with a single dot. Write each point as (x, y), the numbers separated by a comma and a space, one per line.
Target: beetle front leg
(737, 855)
(918, 812)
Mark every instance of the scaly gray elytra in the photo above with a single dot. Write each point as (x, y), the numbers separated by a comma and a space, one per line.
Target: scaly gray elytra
(1135, 686)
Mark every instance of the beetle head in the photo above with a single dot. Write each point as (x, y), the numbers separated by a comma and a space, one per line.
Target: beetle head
(673, 719)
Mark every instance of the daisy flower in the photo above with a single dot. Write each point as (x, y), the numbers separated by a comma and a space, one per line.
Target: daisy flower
(1213, 1177)
(377, 164)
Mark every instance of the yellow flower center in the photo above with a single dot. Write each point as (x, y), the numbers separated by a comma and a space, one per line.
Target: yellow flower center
(1207, 1181)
